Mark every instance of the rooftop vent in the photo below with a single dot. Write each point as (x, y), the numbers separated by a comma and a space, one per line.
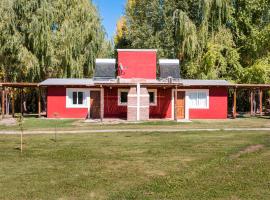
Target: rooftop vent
(105, 69)
(169, 68)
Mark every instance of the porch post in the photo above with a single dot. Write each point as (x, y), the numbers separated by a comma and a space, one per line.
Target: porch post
(102, 104)
(39, 102)
(234, 103)
(21, 100)
(13, 103)
(175, 103)
(261, 101)
(251, 103)
(3, 102)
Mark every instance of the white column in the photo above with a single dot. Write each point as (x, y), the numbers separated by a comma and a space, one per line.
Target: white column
(138, 101)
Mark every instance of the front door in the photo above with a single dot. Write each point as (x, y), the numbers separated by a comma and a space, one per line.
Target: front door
(180, 105)
(95, 104)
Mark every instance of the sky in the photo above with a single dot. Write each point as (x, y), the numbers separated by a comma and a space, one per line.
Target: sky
(110, 11)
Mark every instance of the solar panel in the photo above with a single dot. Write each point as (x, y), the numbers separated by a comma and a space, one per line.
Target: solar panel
(105, 69)
(169, 68)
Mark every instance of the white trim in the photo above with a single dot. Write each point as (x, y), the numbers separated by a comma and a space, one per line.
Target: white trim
(105, 60)
(119, 96)
(69, 97)
(136, 50)
(169, 61)
(155, 97)
(187, 91)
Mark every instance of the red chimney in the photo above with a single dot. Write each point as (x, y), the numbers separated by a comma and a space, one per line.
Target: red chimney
(137, 63)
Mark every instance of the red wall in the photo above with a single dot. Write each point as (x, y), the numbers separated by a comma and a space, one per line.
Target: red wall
(56, 103)
(163, 109)
(137, 64)
(111, 108)
(217, 105)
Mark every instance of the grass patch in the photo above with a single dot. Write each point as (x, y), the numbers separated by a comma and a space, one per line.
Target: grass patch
(192, 165)
(74, 124)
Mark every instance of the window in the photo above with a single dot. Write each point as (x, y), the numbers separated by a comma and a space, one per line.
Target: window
(77, 98)
(152, 97)
(199, 99)
(122, 97)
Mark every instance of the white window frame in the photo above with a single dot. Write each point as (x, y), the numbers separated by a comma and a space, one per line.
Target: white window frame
(119, 97)
(69, 98)
(192, 91)
(155, 97)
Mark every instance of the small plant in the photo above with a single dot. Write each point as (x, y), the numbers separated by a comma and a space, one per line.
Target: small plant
(55, 124)
(20, 123)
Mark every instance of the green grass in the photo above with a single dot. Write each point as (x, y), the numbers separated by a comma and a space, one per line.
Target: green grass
(73, 124)
(192, 165)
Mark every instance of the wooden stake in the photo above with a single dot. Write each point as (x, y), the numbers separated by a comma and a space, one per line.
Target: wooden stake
(21, 141)
(261, 101)
(234, 103)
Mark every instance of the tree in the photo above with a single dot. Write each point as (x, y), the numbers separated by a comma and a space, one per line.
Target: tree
(193, 31)
(50, 38)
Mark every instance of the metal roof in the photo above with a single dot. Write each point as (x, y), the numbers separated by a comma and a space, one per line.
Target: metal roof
(91, 82)
(197, 82)
(67, 81)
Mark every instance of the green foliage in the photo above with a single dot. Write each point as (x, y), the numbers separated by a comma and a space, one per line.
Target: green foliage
(259, 72)
(50, 38)
(214, 39)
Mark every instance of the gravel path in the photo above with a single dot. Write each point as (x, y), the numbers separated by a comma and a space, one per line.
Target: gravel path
(130, 130)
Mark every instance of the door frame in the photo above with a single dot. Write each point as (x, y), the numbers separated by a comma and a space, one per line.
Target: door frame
(101, 90)
(186, 103)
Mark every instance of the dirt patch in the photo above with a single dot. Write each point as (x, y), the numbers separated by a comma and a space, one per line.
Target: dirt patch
(249, 149)
(155, 173)
(8, 122)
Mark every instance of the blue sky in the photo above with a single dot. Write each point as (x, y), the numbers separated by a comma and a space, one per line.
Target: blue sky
(110, 11)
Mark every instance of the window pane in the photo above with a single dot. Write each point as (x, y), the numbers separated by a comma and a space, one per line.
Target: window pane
(151, 97)
(80, 98)
(74, 97)
(193, 99)
(124, 97)
(202, 99)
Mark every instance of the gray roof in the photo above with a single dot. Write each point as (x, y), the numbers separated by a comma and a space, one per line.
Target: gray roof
(196, 82)
(91, 82)
(66, 81)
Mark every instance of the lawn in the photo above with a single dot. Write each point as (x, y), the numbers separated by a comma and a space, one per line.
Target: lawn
(186, 165)
(73, 124)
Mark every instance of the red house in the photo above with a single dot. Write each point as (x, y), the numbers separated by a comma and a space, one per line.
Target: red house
(137, 86)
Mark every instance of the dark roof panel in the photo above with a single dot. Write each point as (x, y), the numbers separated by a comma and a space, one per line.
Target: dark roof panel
(169, 68)
(105, 69)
